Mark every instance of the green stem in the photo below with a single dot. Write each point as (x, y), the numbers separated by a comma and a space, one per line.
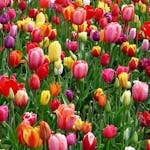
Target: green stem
(45, 145)
(13, 114)
(108, 145)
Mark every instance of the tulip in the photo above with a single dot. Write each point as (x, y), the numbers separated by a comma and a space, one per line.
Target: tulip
(54, 104)
(127, 13)
(132, 33)
(53, 34)
(4, 18)
(58, 71)
(9, 42)
(109, 131)
(97, 93)
(45, 131)
(69, 94)
(34, 82)
(82, 36)
(133, 64)
(71, 139)
(78, 16)
(11, 13)
(29, 117)
(35, 54)
(87, 127)
(13, 31)
(44, 3)
(94, 35)
(78, 124)
(89, 141)
(31, 45)
(99, 13)
(55, 89)
(103, 22)
(148, 145)
(129, 148)
(57, 142)
(3, 113)
(29, 27)
(123, 79)
(114, 29)
(102, 100)
(108, 75)
(131, 50)
(40, 19)
(145, 45)
(36, 36)
(14, 58)
(125, 47)
(68, 62)
(148, 71)
(126, 98)
(96, 51)
(2, 5)
(104, 60)
(45, 97)
(22, 5)
(32, 13)
(54, 51)
(140, 91)
(72, 45)
(21, 98)
(45, 29)
(143, 63)
(42, 71)
(80, 69)
(121, 69)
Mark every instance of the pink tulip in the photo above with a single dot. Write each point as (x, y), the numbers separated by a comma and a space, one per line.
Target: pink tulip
(11, 13)
(89, 141)
(121, 69)
(140, 91)
(3, 113)
(57, 142)
(113, 29)
(80, 69)
(108, 75)
(127, 13)
(35, 58)
(21, 98)
(72, 45)
(132, 33)
(13, 31)
(71, 138)
(145, 45)
(109, 131)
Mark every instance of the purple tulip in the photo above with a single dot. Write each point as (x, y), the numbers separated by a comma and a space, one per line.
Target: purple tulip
(122, 39)
(109, 17)
(69, 94)
(94, 35)
(9, 42)
(4, 18)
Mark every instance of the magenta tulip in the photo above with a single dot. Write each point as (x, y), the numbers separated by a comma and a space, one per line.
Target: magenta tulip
(3, 113)
(108, 75)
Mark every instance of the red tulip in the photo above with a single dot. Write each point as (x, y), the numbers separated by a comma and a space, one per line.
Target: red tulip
(3, 113)
(78, 16)
(57, 142)
(11, 13)
(80, 69)
(144, 118)
(104, 60)
(148, 145)
(99, 13)
(29, 117)
(44, 3)
(89, 141)
(109, 131)
(35, 54)
(31, 45)
(54, 104)
(148, 71)
(34, 82)
(140, 91)
(127, 13)
(22, 5)
(32, 13)
(36, 35)
(21, 98)
(146, 29)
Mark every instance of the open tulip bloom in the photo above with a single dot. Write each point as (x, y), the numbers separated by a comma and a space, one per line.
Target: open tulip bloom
(75, 74)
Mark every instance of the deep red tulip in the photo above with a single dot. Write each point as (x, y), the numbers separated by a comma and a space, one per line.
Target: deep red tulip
(34, 82)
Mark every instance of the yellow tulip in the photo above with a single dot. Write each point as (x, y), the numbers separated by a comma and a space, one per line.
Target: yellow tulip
(68, 62)
(123, 79)
(45, 97)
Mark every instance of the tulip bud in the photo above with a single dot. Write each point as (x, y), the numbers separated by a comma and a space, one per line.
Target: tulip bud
(108, 107)
(97, 93)
(134, 138)
(96, 50)
(126, 98)
(9, 42)
(21, 98)
(71, 139)
(3, 113)
(68, 62)
(55, 89)
(58, 71)
(116, 83)
(145, 45)
(22, 5)
(69, 94)
(89, 141)
(45, 97)
(34, 82)
(54, 104)
(104, 60)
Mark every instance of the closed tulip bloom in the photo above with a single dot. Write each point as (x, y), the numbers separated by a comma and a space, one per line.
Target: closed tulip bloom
(9, 42)
(96, 50)
(45, 97)
(32, 13)
(29, 117)
(78, 16)
(127, 13)
(145, 45)
(35, 58)
(102, 100)
(69, 94)
(31, 45)
(13, 31)
(34, 82)
(126, 98)
(4, 18)
(123, 79)
(80, 69)
(114, 29)
(121, 69)
(14, 58)
(21, 98)
(131, 50)
(54, 104)
(40, 19)
(58, 71)
(94, 35)
(29, 27)
(3, 113)
(11, 13)
(133, 64)
(105, 58)
(97, 93)
(36, 36)
(89, 141)
(45, 29)
(140, 91)
(132, 33)
(44, 3)
(57, 142)
(54, 51)
(109, 131)
(72, 45)
(55, 89)
(68, 62)
(87, 127)
(71, 139)
(22, 5)
(45, 131)
(108, 75)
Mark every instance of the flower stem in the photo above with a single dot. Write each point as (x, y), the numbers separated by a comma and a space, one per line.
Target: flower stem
(108, 145)
(13, 114)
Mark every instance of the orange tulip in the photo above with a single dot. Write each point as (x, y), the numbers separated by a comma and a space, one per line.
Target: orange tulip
(15, 58)
(87, 127)
(67, 12)
(102, 100)
(45, 29)
(97, 93)
(55, 89)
